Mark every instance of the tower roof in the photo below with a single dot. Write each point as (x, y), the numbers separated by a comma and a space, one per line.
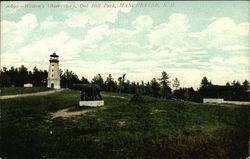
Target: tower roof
(54, 55)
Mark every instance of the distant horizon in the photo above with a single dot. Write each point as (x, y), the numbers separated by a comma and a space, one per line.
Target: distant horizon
(116, 77)
(188, 40)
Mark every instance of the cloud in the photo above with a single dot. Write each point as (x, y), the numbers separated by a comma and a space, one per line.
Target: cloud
(217, 60)
(170, 34)
(113, 39)
(223, 32)
(232, 61)
(196, 52)
(49, 23)
(238, 61)
(76, 19)
(198, 62)
(234, 48)
(62, 43)
(142, 48)
(133, 65)
(14, 33)
(94, 16)
(97, 34)
(8, 59)
(129, 56)
(142, 22)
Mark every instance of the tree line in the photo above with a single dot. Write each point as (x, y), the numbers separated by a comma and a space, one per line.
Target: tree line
(157, 87)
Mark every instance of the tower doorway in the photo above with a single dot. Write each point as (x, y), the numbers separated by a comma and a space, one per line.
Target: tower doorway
(52, 85)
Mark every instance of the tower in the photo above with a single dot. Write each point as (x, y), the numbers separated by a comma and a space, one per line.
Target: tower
(53, 72)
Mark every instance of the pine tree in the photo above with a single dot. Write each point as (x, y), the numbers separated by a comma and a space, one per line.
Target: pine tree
(246, 84)
(164, 80)
(204, 82)
(176, 83)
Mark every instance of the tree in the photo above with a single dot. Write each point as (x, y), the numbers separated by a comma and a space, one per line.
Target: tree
(23, 75)
(110, 84)
(164, 80)
(84, 80)
(192, 94)
(204, 82)
(5, 81)
(227, 84)
(148, 89)
(166, 92)
(121, 81)
(99, 81)
(142, 88)
(155, 86)
(176, 83)
(39, 77)
(68, 78)
(126, 86)
(246, 84)
(132, 88)
(5, 78)
(235, 83)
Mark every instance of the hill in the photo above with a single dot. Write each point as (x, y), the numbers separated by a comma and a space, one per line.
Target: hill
(155, 129)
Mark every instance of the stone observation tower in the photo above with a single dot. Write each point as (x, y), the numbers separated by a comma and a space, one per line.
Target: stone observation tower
(53, 72)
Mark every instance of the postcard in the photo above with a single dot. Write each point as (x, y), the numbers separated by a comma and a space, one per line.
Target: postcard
(125, 79)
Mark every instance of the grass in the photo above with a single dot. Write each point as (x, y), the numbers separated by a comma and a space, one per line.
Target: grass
(155, 129)
(21, 90)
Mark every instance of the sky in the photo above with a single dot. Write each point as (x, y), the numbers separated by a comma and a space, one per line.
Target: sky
(188, 40)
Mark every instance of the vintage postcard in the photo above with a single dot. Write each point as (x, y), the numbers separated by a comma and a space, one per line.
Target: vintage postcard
(125, 79)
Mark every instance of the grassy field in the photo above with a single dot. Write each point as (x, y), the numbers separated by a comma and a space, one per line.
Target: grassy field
(21, 90)
(156, 129)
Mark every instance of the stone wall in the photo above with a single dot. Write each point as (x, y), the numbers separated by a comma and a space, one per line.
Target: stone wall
(28, 85)
(96, 103)
(213, 100)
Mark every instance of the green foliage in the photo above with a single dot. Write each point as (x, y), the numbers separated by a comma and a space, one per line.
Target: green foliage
(246, 84)
(164, 80)
(204, 82)
(234, 92)
(165, 90)
(110, 84)
(98, 80)
(176, 83)
(19, 76)
(156, 129)
(155, 86)
(235, 83)
(84, 80)
(121, 83)
(68, 78)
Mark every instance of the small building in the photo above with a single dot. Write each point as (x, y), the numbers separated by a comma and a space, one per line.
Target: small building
(213, 100)
(53, 72)
(28, 85)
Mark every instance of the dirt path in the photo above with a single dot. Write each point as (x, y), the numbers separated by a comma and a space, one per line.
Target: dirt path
(64, 113)
(31, 94)
(237, 102)
(114, 96)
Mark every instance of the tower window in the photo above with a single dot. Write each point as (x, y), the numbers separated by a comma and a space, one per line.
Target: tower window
(52, 70)
(52, 65)
(52, 75)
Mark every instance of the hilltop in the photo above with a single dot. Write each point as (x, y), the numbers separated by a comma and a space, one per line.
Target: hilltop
(158, 128)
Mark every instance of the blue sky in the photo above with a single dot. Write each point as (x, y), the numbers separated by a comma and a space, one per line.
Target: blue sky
(188, 40)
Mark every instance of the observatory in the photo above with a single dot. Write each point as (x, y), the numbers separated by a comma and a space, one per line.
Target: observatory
(53, 72)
